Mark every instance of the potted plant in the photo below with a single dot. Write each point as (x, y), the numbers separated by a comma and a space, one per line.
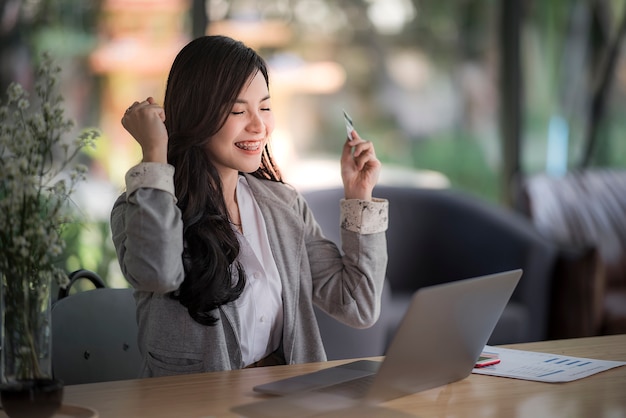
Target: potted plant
(37, 179)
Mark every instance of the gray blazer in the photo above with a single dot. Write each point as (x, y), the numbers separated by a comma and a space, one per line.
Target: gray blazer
(147, 233)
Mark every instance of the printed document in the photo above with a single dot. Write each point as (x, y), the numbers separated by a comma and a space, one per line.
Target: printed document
(543, 367)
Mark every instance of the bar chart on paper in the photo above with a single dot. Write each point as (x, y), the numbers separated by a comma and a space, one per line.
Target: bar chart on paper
(543, 367)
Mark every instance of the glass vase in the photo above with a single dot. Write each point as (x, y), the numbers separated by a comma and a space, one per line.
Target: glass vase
(27, 388)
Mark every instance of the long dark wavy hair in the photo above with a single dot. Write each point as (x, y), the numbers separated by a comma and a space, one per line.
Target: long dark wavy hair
(204, 82)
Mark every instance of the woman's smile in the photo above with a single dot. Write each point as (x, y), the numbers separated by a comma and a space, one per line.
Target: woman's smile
(249, 145)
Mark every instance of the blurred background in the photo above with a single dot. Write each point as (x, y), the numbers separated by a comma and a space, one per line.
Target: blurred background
(474, 95)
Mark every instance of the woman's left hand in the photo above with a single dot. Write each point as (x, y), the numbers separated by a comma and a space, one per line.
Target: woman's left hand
(359, 168)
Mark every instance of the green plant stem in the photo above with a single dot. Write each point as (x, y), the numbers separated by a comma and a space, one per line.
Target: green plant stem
(32, 355)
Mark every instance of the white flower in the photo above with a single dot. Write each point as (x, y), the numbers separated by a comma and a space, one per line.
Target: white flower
(15, 92)
(23, 104)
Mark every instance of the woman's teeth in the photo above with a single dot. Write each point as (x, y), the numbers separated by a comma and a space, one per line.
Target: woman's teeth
(248, 146)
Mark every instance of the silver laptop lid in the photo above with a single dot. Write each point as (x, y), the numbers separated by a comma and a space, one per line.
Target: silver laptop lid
(442, 334)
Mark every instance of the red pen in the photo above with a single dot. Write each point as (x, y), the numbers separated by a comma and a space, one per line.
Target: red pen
(487, 359)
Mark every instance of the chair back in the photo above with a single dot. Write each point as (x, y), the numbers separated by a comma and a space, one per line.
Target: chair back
(94, 337)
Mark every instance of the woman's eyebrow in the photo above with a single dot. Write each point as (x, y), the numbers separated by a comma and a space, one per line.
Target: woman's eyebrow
(242, 101)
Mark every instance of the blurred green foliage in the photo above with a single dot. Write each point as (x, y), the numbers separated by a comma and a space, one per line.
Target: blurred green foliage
(558, 64)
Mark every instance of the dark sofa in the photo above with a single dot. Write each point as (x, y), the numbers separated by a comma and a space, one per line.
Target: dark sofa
(584, 212)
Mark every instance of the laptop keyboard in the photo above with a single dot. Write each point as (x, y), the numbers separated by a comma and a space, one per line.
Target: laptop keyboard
(353, 389)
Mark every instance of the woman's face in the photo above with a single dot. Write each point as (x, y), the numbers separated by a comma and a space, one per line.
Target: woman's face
(238, 145)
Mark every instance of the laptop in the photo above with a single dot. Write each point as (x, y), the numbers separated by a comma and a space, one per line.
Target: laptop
(438, 341)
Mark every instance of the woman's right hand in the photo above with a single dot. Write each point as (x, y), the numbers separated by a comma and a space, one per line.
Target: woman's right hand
(145, 122)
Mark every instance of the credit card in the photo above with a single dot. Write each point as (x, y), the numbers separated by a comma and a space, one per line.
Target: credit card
(349, 125)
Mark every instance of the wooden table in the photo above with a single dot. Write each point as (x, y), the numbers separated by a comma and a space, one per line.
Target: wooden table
(213, 394)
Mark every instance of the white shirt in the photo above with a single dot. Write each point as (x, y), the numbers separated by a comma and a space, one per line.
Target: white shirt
(260, 304)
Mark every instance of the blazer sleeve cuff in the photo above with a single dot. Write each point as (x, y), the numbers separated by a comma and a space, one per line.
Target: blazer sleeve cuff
(364, 216)
(150, 175)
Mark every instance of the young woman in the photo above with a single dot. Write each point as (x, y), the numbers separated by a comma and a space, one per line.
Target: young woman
(226, 259)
